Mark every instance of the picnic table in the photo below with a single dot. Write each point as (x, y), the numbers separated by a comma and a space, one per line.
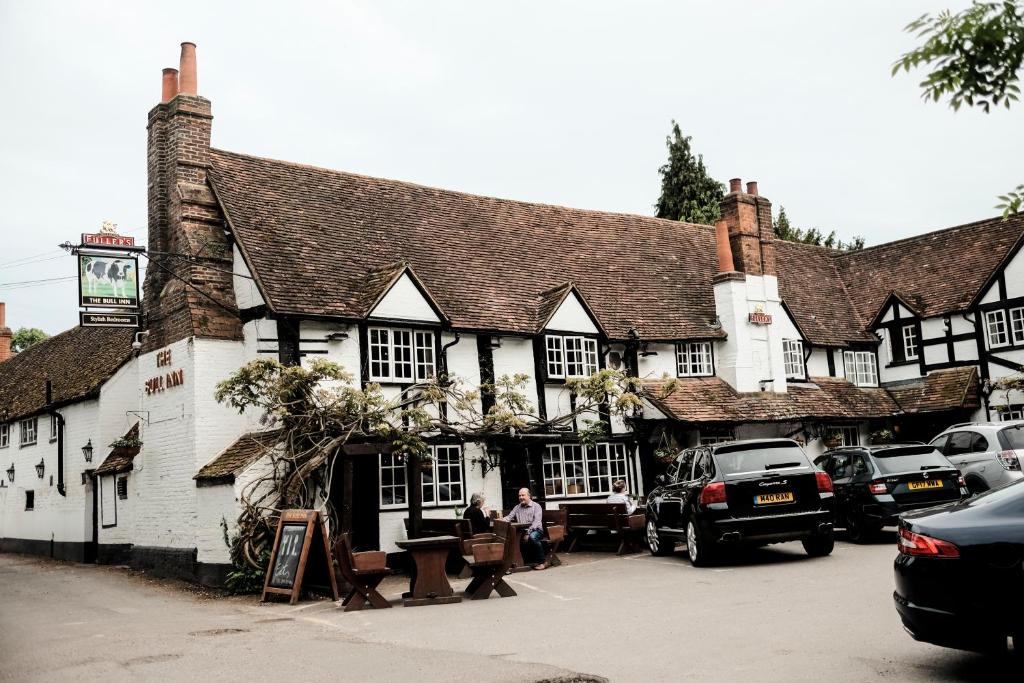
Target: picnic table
(429, 584)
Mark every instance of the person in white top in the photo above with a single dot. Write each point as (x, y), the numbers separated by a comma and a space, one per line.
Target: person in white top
(619, 496)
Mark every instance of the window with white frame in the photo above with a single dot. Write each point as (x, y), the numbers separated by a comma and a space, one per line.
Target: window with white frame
(710, 439)
(995, 328)
(694, 359)
(793, 358)
(443, 483)
(1012, 412)
(849, 433)
(53, 427)
(577, 470)
(29, 431)
(910, 342)
(861, 368)
(1017, 325)
(5, 435)
(400, 355)
(570, 356)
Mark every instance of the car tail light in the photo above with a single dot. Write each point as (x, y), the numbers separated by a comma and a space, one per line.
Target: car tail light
(960, 480)
(916, 544)
(824, 482)
(878, 487)
(713, 493)
(1009, 460)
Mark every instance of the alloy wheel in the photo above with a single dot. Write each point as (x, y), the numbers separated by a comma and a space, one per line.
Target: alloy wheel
(691, 542)
(652, 536)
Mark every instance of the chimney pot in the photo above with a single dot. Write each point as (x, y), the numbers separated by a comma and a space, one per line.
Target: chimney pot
(752, 187)
(3, 314)
(734, 185)
(725, 264)
(5, 334)
(187, 82)
(170, 85)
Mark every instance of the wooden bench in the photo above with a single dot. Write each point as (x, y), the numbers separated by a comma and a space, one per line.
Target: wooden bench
(363, 571)
(604, 519)
(489, 557)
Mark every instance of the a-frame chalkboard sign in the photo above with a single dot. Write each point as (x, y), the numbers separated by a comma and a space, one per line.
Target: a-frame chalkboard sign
(301, 553)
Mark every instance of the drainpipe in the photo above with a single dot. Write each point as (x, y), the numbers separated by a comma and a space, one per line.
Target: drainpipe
(61, 489)
(444, 355)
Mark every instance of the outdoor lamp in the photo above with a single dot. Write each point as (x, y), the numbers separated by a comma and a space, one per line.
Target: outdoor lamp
(10, 473)
(87, 451)
(40, 468)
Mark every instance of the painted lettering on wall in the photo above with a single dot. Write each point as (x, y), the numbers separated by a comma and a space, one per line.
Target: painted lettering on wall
(169, 380)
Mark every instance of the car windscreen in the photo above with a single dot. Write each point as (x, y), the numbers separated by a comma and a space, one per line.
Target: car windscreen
(741, 459)
(894, 460)
(1014, 437)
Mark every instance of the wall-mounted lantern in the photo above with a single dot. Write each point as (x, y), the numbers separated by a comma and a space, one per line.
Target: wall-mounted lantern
(87, 451)
(40, 468)
(10, 473)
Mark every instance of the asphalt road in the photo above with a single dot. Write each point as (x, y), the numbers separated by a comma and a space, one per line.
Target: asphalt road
(772, 615)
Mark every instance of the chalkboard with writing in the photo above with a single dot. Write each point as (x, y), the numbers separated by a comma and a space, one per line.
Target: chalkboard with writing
(301, 541)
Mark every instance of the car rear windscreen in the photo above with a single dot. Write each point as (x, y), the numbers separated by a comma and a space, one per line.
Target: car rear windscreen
(894, 460)
(759, 458)
(1014, 436)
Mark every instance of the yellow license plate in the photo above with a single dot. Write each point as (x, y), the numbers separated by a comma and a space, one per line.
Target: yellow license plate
(933, 484)
(769, 498)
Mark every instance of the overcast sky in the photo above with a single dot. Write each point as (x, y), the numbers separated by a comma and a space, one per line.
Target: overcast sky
(559, 102)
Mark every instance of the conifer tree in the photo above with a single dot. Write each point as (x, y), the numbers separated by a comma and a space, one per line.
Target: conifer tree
(688, 193)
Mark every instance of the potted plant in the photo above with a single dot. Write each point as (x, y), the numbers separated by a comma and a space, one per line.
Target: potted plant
(833, 439)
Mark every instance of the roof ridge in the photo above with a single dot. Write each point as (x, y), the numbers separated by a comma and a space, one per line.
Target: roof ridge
(462, 193)
(953, 228)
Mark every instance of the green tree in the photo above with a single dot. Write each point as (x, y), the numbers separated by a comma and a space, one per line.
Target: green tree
(784, 230)
(973, 57)
(688, 193)
(26, 337)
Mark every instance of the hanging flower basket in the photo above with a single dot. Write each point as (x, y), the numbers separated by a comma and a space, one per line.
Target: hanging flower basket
(665, 455)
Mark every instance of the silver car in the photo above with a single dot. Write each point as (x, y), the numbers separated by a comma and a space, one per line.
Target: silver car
(988, 454)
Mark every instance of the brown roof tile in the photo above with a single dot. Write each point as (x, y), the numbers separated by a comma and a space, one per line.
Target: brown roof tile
(312, 235)
(710, 399)
(940, 390)
(239, 455)
(77, 361)
(121, 458)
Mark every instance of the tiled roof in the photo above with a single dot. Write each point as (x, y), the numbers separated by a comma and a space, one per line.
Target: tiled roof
(940, 390)
(938, 272)
(710, 399)
(121, 458)
(77, 361)
(313, 235)
(815, 294)
(239, 455)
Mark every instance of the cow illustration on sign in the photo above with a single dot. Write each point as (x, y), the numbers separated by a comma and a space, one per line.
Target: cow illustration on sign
(108, 277)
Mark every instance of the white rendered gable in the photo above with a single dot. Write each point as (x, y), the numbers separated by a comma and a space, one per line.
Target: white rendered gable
(404, 302)
(572, 317)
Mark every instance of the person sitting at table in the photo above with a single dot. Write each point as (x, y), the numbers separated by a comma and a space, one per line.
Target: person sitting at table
(619, 496)
(530, 512)
(478, 515)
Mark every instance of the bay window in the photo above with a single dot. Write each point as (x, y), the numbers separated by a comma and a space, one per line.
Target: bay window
(694, 359)
(400, 355)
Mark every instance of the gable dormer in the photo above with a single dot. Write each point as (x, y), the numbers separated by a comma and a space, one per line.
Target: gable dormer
(898, 323)
(569, 334)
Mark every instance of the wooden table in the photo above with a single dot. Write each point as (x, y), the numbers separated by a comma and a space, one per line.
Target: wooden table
(429, 584)
(518, 563)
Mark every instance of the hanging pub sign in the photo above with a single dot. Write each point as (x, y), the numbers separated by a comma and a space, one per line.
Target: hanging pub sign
(108, 281)
(87, 319)
(301, 554)
(112, 241)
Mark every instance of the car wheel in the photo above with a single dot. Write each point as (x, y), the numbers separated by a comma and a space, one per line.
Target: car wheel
(974, 487)
(857, 530)
(698, 550)
(658, 545)
(820, 545)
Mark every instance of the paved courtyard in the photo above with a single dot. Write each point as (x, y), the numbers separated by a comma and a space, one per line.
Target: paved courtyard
(773, 615)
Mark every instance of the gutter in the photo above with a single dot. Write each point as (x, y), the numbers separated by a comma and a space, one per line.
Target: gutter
(51, 410)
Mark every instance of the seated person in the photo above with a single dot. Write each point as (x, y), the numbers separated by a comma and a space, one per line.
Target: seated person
(478, 515)
(619, 496)
(530, 512)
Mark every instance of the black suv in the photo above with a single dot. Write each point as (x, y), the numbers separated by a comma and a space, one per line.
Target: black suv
(744, 492)
(874, 484)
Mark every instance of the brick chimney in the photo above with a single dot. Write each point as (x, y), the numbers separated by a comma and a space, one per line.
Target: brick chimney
(185, 298)
(5, 334)
(749, 220)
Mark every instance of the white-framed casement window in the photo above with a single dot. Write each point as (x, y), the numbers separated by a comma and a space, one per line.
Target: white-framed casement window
(5, 435)
(29, 431)
(574, 470)
(910, 342)
(793, 358)
(710, 439)
(1017, 325)
(570, 356)
(399, 355)
(850, 434)
(1012, 412)
(443, 484)
(861, 368)
(995, 328)
(694, 359)
(53, 427)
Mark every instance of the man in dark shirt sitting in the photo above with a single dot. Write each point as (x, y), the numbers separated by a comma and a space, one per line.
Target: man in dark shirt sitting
(530, 512)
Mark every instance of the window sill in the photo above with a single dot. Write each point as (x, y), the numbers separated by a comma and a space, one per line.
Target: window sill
(26, 445)
(710, 374)
(426, 506)
(901, 363)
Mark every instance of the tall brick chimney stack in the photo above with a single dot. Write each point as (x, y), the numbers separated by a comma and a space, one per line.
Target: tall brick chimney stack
(749, 219)
(5, 334)
(184, 218)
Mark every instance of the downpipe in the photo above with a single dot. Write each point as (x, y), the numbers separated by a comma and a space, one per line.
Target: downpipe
(61, 488)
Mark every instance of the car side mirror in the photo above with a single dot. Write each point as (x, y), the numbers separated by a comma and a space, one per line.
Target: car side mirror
(660, 480)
